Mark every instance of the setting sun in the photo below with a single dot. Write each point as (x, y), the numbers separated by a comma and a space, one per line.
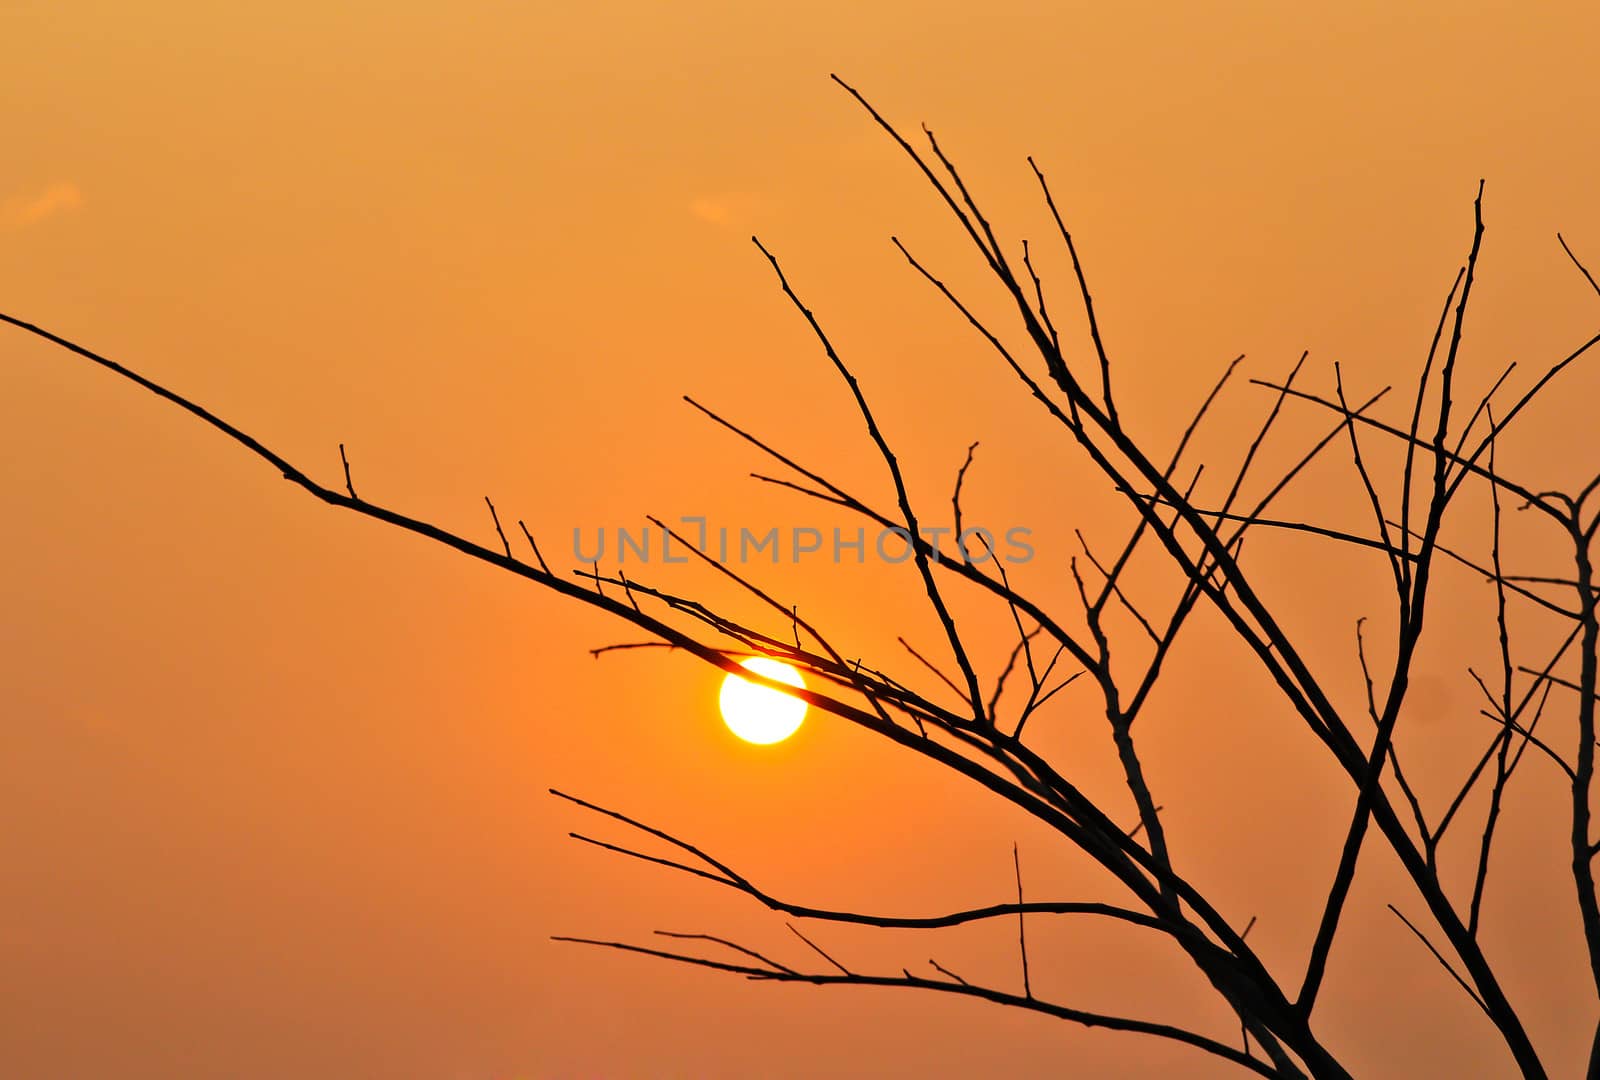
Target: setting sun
(760, 714)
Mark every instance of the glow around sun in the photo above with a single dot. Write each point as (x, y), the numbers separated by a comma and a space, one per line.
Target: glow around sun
(759, 714)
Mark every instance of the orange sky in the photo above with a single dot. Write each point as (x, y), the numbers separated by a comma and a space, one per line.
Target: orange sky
(271, 776)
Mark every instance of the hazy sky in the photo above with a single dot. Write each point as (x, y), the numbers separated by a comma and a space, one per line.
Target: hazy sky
(272, 778)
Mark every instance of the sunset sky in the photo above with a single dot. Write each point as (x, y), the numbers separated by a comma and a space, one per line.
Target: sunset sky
(273, 777)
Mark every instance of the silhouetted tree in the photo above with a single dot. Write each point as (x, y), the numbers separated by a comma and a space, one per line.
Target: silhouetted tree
(1545, 705)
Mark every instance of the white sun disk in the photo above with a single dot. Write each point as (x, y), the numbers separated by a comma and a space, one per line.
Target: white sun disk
(760, 714)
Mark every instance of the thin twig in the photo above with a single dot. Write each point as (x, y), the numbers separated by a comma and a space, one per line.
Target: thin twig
(792, 929)
(502, 533)
(1478, 1001)
(1022, 929)
(348, 486)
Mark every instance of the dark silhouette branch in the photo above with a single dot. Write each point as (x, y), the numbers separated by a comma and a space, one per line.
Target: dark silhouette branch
(348, 486)
(1022, 924)
(1123, 647)
(770, 972)
(1443, 962)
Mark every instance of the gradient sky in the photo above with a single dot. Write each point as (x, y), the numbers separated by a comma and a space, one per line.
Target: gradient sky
(272, 777)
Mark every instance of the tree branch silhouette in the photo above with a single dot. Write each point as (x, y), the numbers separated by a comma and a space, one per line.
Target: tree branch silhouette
(1119, 646)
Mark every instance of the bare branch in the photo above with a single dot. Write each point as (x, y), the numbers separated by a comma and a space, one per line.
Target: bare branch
(501, 533)
(1584, 270)
(973, 693)
(842, 969)
(955, 499)
(1443, 962)
(1088, 1019)
(1022, 929)
(534, 545)
(348, 486)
